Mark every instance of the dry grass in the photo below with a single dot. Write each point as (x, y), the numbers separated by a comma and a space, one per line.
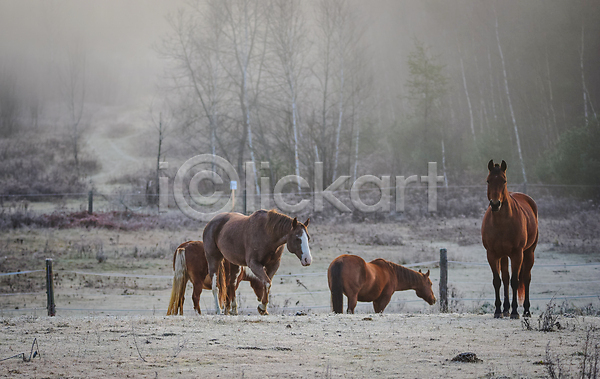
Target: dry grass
(588, 356)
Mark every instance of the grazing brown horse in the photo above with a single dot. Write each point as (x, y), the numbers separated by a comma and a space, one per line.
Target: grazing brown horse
(189, 263)
(375, 281)
(509, 230)
(256, 242)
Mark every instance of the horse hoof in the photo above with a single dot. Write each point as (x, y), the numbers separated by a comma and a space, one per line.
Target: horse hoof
(497, 315)
(514, 316)
(263, 312)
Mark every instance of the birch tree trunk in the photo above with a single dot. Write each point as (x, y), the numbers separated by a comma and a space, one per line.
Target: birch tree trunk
(243, 25)
(551, 95)
(512, 113)
(73, 89)
(246, 51)
(288, 35)
(356, 141)
(444, 164)
(584, 90)
(338, 130)
(462, 68)
(344, 39)
(495, 114)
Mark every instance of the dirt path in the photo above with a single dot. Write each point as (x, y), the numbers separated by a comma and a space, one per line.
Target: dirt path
(112, 141)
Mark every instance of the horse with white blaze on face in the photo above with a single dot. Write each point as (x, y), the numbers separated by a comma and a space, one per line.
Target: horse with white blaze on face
(257, 242)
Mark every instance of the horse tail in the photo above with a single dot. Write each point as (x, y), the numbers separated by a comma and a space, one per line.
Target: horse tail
(180, 279)
(222, 283)
(335, 286)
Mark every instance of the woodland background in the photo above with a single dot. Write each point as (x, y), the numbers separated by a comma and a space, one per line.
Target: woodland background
(376, 88)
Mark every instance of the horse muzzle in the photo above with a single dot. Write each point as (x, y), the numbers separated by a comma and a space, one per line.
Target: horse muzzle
(495, 205)
(306, 261)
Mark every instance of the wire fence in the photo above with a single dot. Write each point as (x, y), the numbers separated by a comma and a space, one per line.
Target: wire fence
(551, 282)
(144, 199)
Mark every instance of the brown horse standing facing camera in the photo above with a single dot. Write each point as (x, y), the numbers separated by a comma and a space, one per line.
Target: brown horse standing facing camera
(509, 230)
(375, 281)
(254, 241)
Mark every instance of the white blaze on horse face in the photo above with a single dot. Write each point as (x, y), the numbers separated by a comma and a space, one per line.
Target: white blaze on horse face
(306, 259)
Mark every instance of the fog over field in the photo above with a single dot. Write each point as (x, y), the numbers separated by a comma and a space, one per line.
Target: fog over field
(378, 87)
(102, 103)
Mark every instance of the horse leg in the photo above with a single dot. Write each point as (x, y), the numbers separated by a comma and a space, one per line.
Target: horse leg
(259, 291)
(497, 282)
(259, 271)
(515, 262)
(264, 301)
(526, 278)
(266, 291)
(381, 302)
(214, 262)
(196, 297)
(506, 284)
(231, 288)
(352, 301)
(226, 272)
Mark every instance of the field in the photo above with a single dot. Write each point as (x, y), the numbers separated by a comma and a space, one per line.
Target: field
(113, 285)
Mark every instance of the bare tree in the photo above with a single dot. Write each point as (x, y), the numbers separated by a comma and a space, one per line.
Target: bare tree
(342, 29)
(288, 33)
(462, 69)
(73, 89)
(323, 72)
(9, 106)
(337, 36)
(162, 128)
(512, 113)
(585, 101)
(361, 88)
(195, 48)
(245, 44)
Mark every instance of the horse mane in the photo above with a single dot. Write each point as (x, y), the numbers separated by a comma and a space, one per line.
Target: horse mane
(278, 224)
(411, 277)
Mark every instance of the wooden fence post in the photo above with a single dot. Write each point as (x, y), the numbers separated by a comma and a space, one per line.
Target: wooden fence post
(443, 280)
(50, 288)
(245, 210)
(91, 202)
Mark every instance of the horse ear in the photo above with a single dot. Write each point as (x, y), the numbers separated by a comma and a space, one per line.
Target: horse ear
(420, 271)
(427, 274)
(307, 222)
(491, 165)
(503, 166)
(294, 222)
